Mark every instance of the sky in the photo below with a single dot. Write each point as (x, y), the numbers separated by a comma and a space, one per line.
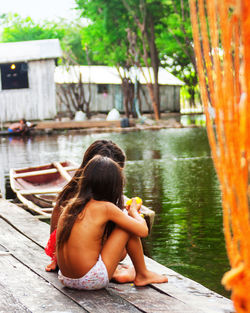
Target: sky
(39, 9)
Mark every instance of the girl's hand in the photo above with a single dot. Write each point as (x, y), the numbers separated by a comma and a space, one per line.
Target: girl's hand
(133, 206)
(138, 201)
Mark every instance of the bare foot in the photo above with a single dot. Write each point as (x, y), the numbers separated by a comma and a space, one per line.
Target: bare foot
(149, 278)
(51, 267)
(124, 274)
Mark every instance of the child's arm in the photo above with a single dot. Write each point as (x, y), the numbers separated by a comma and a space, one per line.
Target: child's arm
(133, 222)
(133, 207)
(56, 213)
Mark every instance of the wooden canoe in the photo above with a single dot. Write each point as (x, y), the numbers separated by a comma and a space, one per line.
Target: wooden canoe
(37, 187)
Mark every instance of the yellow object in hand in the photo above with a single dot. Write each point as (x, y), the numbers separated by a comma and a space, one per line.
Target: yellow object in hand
(137, 199)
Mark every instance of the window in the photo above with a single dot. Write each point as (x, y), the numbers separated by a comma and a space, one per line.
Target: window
(102, 88)
(14, 75)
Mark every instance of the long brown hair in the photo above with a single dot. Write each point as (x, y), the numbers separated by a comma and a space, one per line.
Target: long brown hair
(101, 179)
(102, 147)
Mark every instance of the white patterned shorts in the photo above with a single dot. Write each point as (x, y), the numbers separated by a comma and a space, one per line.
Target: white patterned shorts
(96, 278)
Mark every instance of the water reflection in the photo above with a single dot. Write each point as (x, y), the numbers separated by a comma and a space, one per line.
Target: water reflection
(172, 171)
(193, 119)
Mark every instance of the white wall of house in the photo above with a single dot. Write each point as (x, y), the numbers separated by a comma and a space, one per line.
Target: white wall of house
(36, 102)
(169, 97)
(109, 76)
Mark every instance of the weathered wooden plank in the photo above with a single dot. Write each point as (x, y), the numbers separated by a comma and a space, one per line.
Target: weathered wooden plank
(31, 255)
(189, 291)
(22, 290)
(151, 301)
(9, 303)
(101, 301)
(179, 287)
(26, 223)
(8, 300)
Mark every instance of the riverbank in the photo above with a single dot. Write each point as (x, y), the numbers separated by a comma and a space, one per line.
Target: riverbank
(98, 123)
(26, 287)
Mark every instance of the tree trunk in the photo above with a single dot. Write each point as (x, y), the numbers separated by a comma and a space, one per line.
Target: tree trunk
(154, 103)
(125, 90)
(146, 28)
(155, 64)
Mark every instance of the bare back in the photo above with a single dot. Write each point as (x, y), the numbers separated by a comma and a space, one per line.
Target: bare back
(80, 253)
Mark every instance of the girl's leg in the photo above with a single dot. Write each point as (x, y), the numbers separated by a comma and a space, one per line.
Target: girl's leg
(113, 249)
(143, 275)
(124, 274)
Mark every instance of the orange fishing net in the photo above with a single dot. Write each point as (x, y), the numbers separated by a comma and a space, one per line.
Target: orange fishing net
(221, 32)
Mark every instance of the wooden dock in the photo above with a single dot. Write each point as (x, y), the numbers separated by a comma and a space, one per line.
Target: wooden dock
(26, 287)
(77, 124)
(96, 126)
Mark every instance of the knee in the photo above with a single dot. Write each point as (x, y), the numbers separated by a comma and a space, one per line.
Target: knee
(121, 231)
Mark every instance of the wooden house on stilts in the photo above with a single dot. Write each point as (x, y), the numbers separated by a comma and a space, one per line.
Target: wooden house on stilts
(27, 87)
(103, 86)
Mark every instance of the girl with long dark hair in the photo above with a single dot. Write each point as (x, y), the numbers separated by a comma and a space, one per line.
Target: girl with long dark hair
(101, 147)
(93, 230)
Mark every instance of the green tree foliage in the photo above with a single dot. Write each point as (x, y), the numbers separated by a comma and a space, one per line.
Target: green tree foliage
(105, 37)
(163, 36)
(15, 28)
(111, 24)
(175, 43)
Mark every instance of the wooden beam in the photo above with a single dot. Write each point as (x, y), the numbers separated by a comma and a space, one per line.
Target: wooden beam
(39, 191)
(47, 210)
(62, 171)
(44, 172)
(32, 205)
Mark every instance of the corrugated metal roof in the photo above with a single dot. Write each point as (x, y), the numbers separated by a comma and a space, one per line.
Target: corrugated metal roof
(110, 75)
(29, 50)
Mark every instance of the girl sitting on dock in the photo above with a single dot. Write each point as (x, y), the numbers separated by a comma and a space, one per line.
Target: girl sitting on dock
(102, 147)
(93, 231)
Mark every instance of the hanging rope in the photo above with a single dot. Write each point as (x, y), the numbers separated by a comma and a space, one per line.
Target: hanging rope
(221, 33)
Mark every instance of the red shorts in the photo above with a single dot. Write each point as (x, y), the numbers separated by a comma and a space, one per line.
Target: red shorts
(50, 249)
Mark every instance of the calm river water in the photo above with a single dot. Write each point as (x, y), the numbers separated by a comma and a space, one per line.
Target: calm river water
(172, 171)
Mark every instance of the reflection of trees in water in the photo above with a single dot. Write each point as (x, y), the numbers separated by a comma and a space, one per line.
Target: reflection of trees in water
(188, 236)
(182, 188)
(145, 180)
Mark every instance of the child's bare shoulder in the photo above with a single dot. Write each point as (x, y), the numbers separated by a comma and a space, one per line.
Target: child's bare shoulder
(112, 209)
(101, 205)
(108, 205)
(105, 206)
